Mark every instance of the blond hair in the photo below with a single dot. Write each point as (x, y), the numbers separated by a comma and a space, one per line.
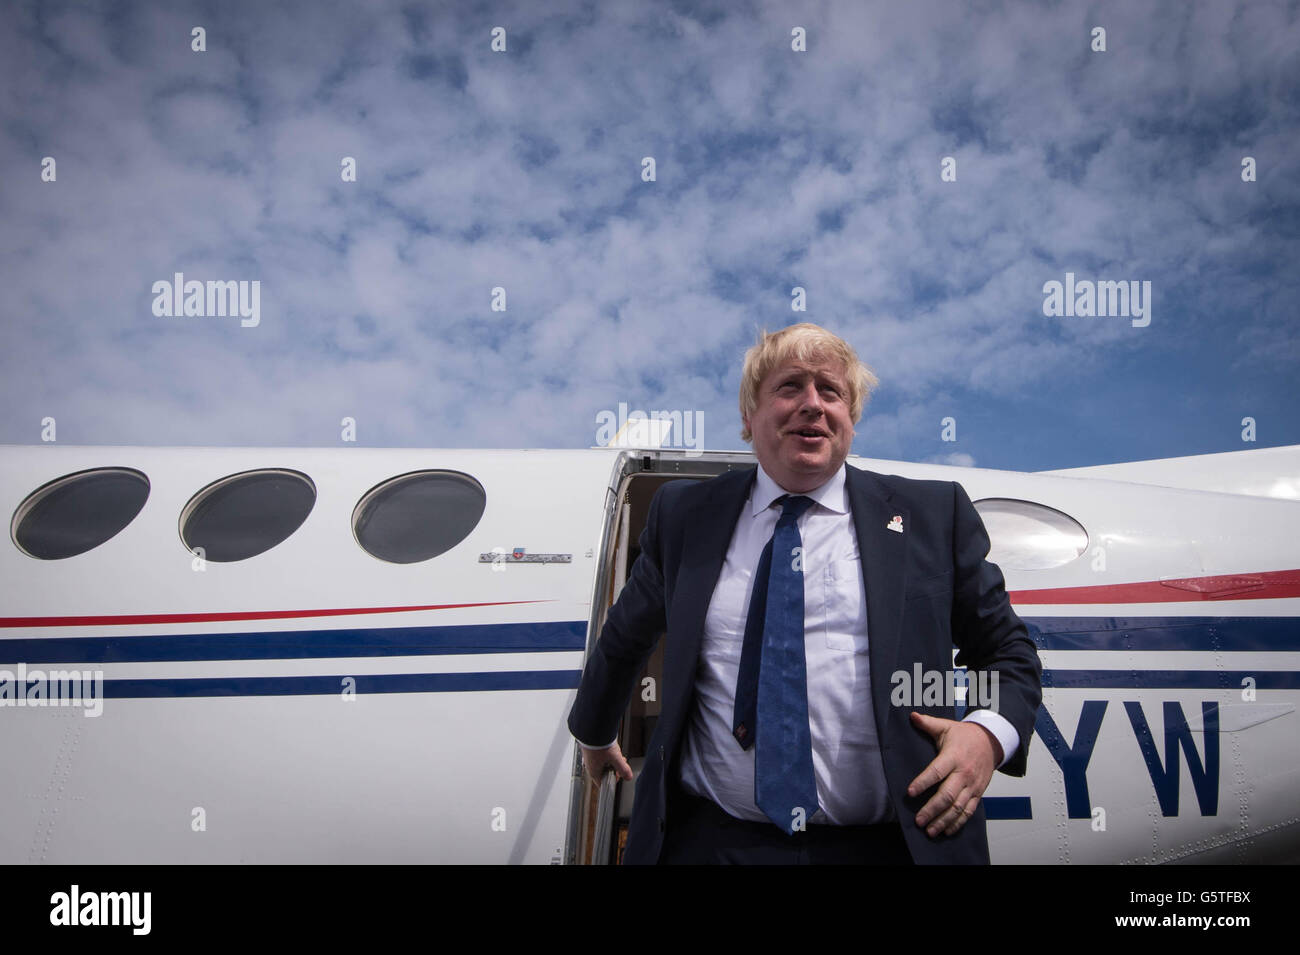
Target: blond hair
(804, 342)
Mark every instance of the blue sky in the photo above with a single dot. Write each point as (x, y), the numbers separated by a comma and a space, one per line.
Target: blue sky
(775, 168)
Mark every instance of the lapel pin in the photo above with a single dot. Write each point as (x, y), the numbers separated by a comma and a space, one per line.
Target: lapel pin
(896, 524)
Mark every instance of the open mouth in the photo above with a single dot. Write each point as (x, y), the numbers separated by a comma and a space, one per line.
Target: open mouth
(810, 433)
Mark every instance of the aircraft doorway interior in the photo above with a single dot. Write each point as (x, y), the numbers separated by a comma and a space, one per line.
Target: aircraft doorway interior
(637, 491)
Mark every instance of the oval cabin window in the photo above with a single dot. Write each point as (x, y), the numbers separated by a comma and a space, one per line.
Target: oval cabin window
(78, 512)
(1029, 536)
(418, 516)
(246, 514)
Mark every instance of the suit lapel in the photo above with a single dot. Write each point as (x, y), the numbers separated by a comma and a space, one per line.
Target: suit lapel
(706, 536)
(884, 557)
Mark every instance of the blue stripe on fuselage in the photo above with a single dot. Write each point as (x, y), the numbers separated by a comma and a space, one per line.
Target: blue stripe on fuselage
(1165, 633)
(333, 685)
(300, 644)
(1169, 679)
(1224, 634)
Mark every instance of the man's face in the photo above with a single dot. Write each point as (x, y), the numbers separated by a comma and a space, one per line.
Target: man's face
(802, 427)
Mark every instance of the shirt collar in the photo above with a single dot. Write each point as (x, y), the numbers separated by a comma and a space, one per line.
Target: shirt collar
(833, 495)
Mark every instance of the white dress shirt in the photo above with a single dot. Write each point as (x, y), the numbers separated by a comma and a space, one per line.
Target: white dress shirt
(847, 763)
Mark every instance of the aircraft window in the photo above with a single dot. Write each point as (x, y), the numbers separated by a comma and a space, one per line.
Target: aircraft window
(78, 512)
(1028, 536)
(419, 515)
(246, 514)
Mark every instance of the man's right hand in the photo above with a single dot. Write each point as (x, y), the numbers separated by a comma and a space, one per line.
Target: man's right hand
(595, 761)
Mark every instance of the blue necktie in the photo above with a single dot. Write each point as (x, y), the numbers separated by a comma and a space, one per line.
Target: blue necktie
(772, 689)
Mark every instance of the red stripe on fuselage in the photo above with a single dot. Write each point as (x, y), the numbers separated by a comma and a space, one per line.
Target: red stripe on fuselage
(1268, 585)
(138, 618)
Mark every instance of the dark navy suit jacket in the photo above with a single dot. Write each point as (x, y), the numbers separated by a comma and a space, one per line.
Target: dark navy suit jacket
(928, 589)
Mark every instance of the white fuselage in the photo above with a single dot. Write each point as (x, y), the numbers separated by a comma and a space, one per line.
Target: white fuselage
(317, 704)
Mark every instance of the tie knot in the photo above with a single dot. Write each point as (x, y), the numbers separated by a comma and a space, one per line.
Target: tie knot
(793, 507)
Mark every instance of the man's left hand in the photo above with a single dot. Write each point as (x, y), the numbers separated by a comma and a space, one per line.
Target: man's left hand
(967, 756)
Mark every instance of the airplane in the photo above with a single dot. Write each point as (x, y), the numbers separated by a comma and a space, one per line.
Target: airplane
(303, 655)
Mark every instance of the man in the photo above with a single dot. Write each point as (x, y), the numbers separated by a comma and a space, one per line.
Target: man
(790, 594)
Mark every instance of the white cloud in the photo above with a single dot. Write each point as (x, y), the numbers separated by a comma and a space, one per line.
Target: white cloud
(522, 170)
